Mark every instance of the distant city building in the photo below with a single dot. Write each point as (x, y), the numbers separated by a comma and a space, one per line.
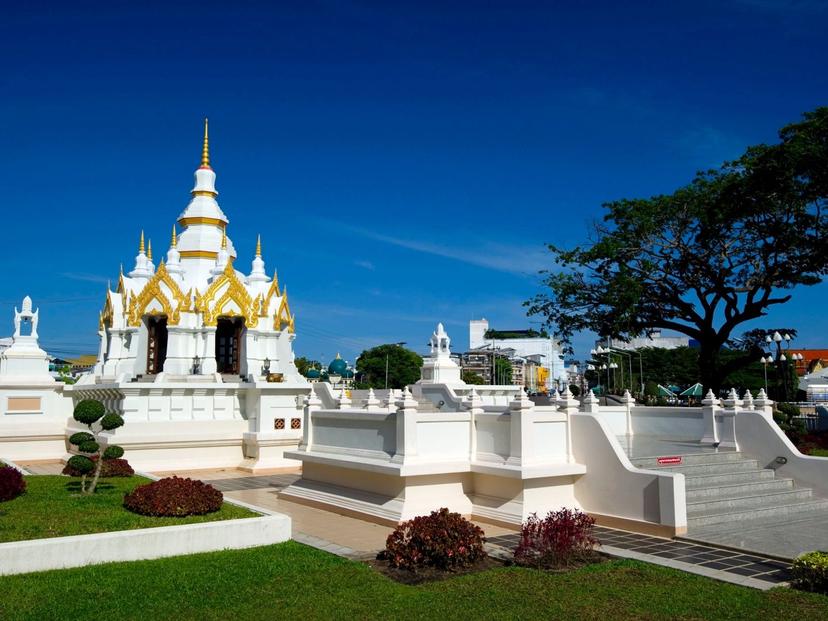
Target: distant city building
(655, 340)
(541, 351)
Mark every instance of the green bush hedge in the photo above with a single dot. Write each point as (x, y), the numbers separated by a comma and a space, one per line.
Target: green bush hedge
(810, 572)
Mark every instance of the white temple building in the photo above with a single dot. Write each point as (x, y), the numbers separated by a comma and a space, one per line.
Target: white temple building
(196, 354)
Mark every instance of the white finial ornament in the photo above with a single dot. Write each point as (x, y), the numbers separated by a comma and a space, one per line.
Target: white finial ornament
(257, 272)
(142, 263)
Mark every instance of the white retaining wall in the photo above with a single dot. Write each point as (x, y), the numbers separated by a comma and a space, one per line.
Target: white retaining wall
(19, 557)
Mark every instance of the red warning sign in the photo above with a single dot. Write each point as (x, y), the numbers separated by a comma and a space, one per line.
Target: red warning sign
(668, 461)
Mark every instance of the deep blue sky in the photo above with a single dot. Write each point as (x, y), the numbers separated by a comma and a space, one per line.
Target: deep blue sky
(404, 162)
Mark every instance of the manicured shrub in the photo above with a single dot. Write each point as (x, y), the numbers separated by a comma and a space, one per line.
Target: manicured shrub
(810, 572)
(174, 497)
(442, 539)
(12, 483)
(561, 539)
(111, 421)
(89, 412)
(78, 466)
(110, 468)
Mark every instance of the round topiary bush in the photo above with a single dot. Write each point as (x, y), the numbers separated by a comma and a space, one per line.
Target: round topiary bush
(79, 465)
(88, 411)
(110, 467)
(12, 483)
(443, 540)
(113, 452)
(80, 437)
(111, 421)
(174, 497)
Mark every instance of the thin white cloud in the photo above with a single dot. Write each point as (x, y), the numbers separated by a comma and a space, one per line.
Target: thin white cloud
(86, 277)
(524, 259)
(365, 264)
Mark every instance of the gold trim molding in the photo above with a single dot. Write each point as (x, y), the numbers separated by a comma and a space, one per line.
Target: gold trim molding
(191, 220)
(198, 254)
(234, 291)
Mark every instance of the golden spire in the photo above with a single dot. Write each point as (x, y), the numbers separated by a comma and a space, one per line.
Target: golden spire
(174, 240)
(149, 250)
(205, 150)
(258, 245)
(224, 239)
(141, 244)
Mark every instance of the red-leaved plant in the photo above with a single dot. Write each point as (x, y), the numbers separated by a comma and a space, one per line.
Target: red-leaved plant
(560, 539)
(442, 539)
(110, 468)
(12, 483)
(174, 497)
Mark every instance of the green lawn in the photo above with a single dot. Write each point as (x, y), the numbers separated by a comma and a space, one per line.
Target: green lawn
(818, 452)
(53, 507)
(292, 581)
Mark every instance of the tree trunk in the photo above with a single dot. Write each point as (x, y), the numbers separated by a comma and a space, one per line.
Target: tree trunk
(98, 467)
(709, 366)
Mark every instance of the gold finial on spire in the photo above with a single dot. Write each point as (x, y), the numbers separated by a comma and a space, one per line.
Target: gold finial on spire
(258, 245)
(174, 239)
(224, 239)
(141, 244)
(149, 250)
(205, 150)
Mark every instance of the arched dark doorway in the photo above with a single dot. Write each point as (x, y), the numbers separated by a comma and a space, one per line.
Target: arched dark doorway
(156, 343)
(228, 344)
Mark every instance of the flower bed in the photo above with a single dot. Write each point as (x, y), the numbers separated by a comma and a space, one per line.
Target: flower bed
(53, 507)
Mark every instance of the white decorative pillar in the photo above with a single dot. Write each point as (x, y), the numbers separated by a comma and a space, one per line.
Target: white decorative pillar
(521, 447)
(710, 408)
(628, 402)
(312, 404)
(747, 400)
(474, 404)
(764, 405)
(569, 405)
(728, 414)
(590, 404)
(343, 401)
(371, 403)
(406, 428)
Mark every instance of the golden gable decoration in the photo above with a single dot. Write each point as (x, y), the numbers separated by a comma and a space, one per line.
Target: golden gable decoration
(234, 291)
(283, 316)
(152, 291)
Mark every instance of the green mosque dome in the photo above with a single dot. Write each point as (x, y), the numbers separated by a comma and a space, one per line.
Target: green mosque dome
(313, 374)
(338, 366)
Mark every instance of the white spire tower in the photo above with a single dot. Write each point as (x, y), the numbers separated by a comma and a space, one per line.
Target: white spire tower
(142, 264)
(199, 244)
(257, 272)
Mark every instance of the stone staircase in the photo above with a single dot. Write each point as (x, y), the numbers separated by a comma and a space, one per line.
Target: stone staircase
(725, 490)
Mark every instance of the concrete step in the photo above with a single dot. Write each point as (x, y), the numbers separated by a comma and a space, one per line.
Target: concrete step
(728, 467)
(737, 503)
(689, 460)
(758, 513)
(739, 489)
(729, 478)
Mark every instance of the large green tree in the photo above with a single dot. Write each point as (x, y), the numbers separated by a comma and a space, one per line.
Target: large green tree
(705, 259)
(403, 366)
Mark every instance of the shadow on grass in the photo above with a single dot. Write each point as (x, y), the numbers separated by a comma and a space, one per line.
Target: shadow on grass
(75, 486)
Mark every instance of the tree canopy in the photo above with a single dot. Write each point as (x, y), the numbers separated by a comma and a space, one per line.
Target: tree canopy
(403, 366)
(705, 259)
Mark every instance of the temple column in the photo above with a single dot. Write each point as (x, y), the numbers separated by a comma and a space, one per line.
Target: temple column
(208, 355)
(181, 348)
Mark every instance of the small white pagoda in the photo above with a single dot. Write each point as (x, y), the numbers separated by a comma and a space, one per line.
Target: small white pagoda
(33, 410)
(439, 368)
(197, 355)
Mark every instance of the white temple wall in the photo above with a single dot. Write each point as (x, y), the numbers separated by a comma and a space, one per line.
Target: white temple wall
(32, 422)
